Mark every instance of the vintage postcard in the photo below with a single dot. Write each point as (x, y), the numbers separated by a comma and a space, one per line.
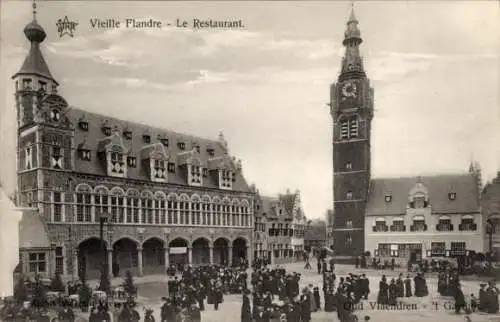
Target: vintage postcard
(253, 161)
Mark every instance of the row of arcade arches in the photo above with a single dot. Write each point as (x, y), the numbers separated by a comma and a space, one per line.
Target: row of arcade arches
(92, 254)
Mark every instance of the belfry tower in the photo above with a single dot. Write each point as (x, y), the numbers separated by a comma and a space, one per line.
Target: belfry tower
(351, 108)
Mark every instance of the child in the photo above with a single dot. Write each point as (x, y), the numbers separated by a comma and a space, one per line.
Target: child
(473, 303)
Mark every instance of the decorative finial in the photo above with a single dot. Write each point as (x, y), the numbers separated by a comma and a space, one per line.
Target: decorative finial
(34, 10)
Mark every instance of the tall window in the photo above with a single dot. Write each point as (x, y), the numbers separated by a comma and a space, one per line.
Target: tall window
(28, 158)
(344, 129)
(349, 128)
(205, 214)
(184, 212)
(384, 250)
(233, 216)
(101, 205)
(83, 207)
(58, 207)
(172, 212)
(117, 210)
(353, 127)
(218, 215)
(132, 210)
(147, 211)
(59, 260)
(195, 213)
(160, 211)
(37, 263)
(348, 241)
(348, 224)
(246, 217)
(195, 174)
(225, 215)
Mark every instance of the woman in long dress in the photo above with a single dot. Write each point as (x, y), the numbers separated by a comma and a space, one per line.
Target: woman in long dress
(383, 296)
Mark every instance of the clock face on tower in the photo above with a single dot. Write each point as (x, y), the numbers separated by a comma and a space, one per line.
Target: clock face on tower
(349, 89)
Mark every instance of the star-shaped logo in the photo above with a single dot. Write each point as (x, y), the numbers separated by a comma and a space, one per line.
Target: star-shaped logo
(66, 27)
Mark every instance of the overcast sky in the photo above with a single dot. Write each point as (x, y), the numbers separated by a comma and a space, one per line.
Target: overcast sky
(434, 67)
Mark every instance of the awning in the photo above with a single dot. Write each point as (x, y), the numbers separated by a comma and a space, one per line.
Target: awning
(178, 250)
(418, 218)
(33, 231)
(444, 218)
(467, 217)
(379, 219)
(398, 219)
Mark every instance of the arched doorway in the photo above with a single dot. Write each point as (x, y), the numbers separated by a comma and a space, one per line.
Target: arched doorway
(153, 256)
(178, 252)
(221, 251)
(239, 250)
(92, 257)
(201, 252)
(125, 257)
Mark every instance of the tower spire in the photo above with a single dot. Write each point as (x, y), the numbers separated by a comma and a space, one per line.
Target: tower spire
(352, 63)
(35, 64)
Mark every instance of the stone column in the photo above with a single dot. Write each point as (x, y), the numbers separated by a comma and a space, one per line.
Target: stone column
(75, 264)
(139, 261)
(167, 263)
(110, 263)
(211, 253)
(230, 256)
(190, 255)
(249, 256)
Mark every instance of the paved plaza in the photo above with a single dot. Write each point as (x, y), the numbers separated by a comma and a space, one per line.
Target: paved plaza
(432, 307)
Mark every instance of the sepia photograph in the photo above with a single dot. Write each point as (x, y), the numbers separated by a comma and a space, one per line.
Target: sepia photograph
(253, 161)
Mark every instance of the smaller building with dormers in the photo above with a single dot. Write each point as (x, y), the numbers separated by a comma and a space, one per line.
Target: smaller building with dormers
(116, 195)
(423, 217)
(280, 226)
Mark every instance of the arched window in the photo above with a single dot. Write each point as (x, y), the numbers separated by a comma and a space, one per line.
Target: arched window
(418, 224)
(132, 206)
(205, 211)
(83, 203)
(225, 214)
(233, 216)
(444, 224)
(184, 210)
(195, 211)
(101, 202)
(348, 241)
(172, 209)
(147, 207)
(467, 223)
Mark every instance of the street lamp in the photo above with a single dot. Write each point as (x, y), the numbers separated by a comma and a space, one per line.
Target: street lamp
(102, 219)
(489, 230)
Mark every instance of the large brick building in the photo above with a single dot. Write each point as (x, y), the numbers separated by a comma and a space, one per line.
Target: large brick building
(165, 197)
(351, 108)
(280, 226)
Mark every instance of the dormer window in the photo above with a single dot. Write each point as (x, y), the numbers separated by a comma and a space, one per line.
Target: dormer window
(388, 198)
(164, 142)
(195, 177)
(56, 158)
(146, 138)
(55, 115)
(131, 162)
(211, 152)
(106, 130)
(85, 154)
(452, 195)
(27, 84)
(83, 125)
(42, 85)
(158, 170)
(117, 166)
(225, 179)
(181, 145)
(171, 167)
(127, 134)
